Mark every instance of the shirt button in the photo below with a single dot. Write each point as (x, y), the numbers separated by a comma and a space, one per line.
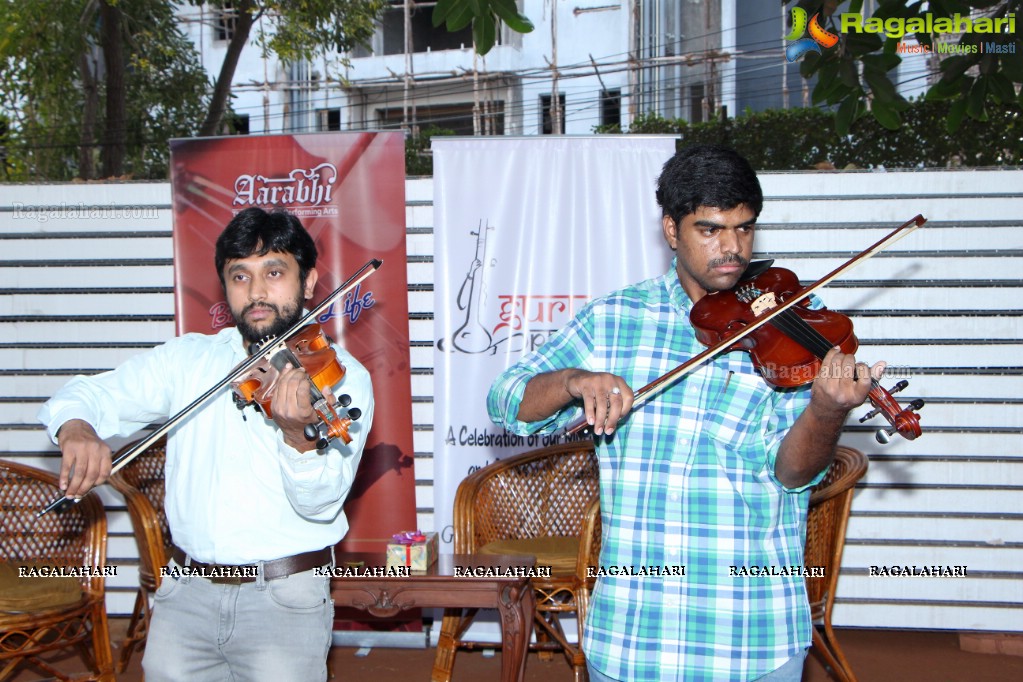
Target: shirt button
(674, 497)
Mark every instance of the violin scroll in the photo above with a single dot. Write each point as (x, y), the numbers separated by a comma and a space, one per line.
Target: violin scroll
(904, 421)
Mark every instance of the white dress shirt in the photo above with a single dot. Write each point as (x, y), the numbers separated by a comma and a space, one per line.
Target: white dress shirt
(236, 492)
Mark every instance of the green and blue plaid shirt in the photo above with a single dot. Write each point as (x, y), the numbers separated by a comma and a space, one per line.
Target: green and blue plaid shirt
(686, 480)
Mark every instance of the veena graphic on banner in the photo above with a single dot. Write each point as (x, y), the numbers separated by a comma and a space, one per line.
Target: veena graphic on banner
(527, 230)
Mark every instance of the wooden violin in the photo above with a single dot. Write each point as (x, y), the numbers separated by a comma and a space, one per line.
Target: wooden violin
(767, 315)
(788, 351)
(265, 353)
(311, 350)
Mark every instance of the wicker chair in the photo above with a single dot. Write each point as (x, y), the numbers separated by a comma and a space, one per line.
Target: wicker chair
(825, 539)
(543, 503)
(141, 482)
(42, 615)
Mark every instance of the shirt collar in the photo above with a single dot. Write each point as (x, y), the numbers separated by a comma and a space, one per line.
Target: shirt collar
(230, 336)
(677, 295)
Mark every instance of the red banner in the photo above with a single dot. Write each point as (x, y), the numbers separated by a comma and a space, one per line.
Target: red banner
(349, 191)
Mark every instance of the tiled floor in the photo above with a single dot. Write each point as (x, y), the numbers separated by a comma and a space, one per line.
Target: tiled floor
(876, 656)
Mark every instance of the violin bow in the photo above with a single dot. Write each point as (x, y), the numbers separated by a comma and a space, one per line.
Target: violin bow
(662, 382)
(240, 370)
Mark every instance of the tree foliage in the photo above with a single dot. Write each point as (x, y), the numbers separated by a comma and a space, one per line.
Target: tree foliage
(293, 31)
(485, 17)
(855, 76)
(64, 117)
(801, 139)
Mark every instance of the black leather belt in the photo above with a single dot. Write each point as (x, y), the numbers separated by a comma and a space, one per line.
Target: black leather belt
(236, 575)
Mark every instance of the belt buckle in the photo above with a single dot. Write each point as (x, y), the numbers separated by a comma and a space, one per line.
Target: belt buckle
(231, 575)
(226, 580)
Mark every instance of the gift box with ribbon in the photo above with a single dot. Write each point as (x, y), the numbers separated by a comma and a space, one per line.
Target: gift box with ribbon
(414, 549)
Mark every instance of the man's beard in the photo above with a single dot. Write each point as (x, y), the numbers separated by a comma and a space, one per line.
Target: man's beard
(284, 318)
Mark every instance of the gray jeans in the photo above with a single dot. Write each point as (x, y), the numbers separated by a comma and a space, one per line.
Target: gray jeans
(277, 630)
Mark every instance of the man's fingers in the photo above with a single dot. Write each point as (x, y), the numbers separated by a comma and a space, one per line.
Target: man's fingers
(65, 472)
(87, 474)
(85, 458)
(292, 397)
(862, 371)
(877, 371)
(606, 399)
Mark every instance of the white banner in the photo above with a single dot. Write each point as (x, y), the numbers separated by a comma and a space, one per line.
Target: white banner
(527, 230)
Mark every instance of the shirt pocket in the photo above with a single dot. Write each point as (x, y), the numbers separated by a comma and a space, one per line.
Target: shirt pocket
(735, 409)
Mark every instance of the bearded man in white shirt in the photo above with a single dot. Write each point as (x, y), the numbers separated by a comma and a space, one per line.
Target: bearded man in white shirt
(246, 496)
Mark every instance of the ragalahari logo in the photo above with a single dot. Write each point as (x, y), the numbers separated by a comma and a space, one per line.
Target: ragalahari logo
(798, 45)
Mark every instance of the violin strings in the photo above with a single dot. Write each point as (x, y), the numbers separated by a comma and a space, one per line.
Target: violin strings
(803, 333)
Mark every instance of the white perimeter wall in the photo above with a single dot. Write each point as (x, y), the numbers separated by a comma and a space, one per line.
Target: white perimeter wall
(86, 281)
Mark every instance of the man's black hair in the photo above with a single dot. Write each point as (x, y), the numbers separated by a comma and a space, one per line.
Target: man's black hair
(707, 175)
(257, 232)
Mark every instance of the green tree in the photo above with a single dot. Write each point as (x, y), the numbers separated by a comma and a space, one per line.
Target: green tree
(856, 74)
(291, 30)
(484, 15)
(87, 81)
(801, 139)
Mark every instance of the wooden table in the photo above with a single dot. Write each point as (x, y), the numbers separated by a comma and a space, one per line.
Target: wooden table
(455, 581)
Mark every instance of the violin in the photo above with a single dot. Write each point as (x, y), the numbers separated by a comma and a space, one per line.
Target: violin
(265, 353)
(789, 352)
(311, 350)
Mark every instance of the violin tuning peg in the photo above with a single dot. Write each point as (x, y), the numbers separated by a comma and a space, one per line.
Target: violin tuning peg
(898, 387)
(354, 413)
(311, 432)
(344, 399)
(884, 436)
(870, 415)
(915, 405)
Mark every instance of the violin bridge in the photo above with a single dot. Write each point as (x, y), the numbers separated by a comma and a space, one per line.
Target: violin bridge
(763, 303)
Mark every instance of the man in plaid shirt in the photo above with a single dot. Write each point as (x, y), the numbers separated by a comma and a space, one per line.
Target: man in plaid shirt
(712, 475)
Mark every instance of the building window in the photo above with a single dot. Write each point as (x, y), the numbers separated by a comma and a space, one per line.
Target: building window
(611, 108)
(696, 97)
(454, 117)
(546, 121)
(223, 26)
(237, 124)
(328, 119)
(425, 36)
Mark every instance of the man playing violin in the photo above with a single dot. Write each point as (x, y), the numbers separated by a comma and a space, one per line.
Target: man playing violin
(714, 474)
(250, 502)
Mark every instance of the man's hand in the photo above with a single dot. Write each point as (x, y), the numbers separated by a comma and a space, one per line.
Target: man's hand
(85, 461)
(842, 384)
(292, 406)
(606, 397)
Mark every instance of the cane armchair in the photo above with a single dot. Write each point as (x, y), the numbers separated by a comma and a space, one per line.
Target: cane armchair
(543, 503)
(44, 616)
(141, 482)
(828, 516)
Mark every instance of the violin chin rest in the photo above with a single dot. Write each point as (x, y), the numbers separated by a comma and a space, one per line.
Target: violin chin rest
(755, 268)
